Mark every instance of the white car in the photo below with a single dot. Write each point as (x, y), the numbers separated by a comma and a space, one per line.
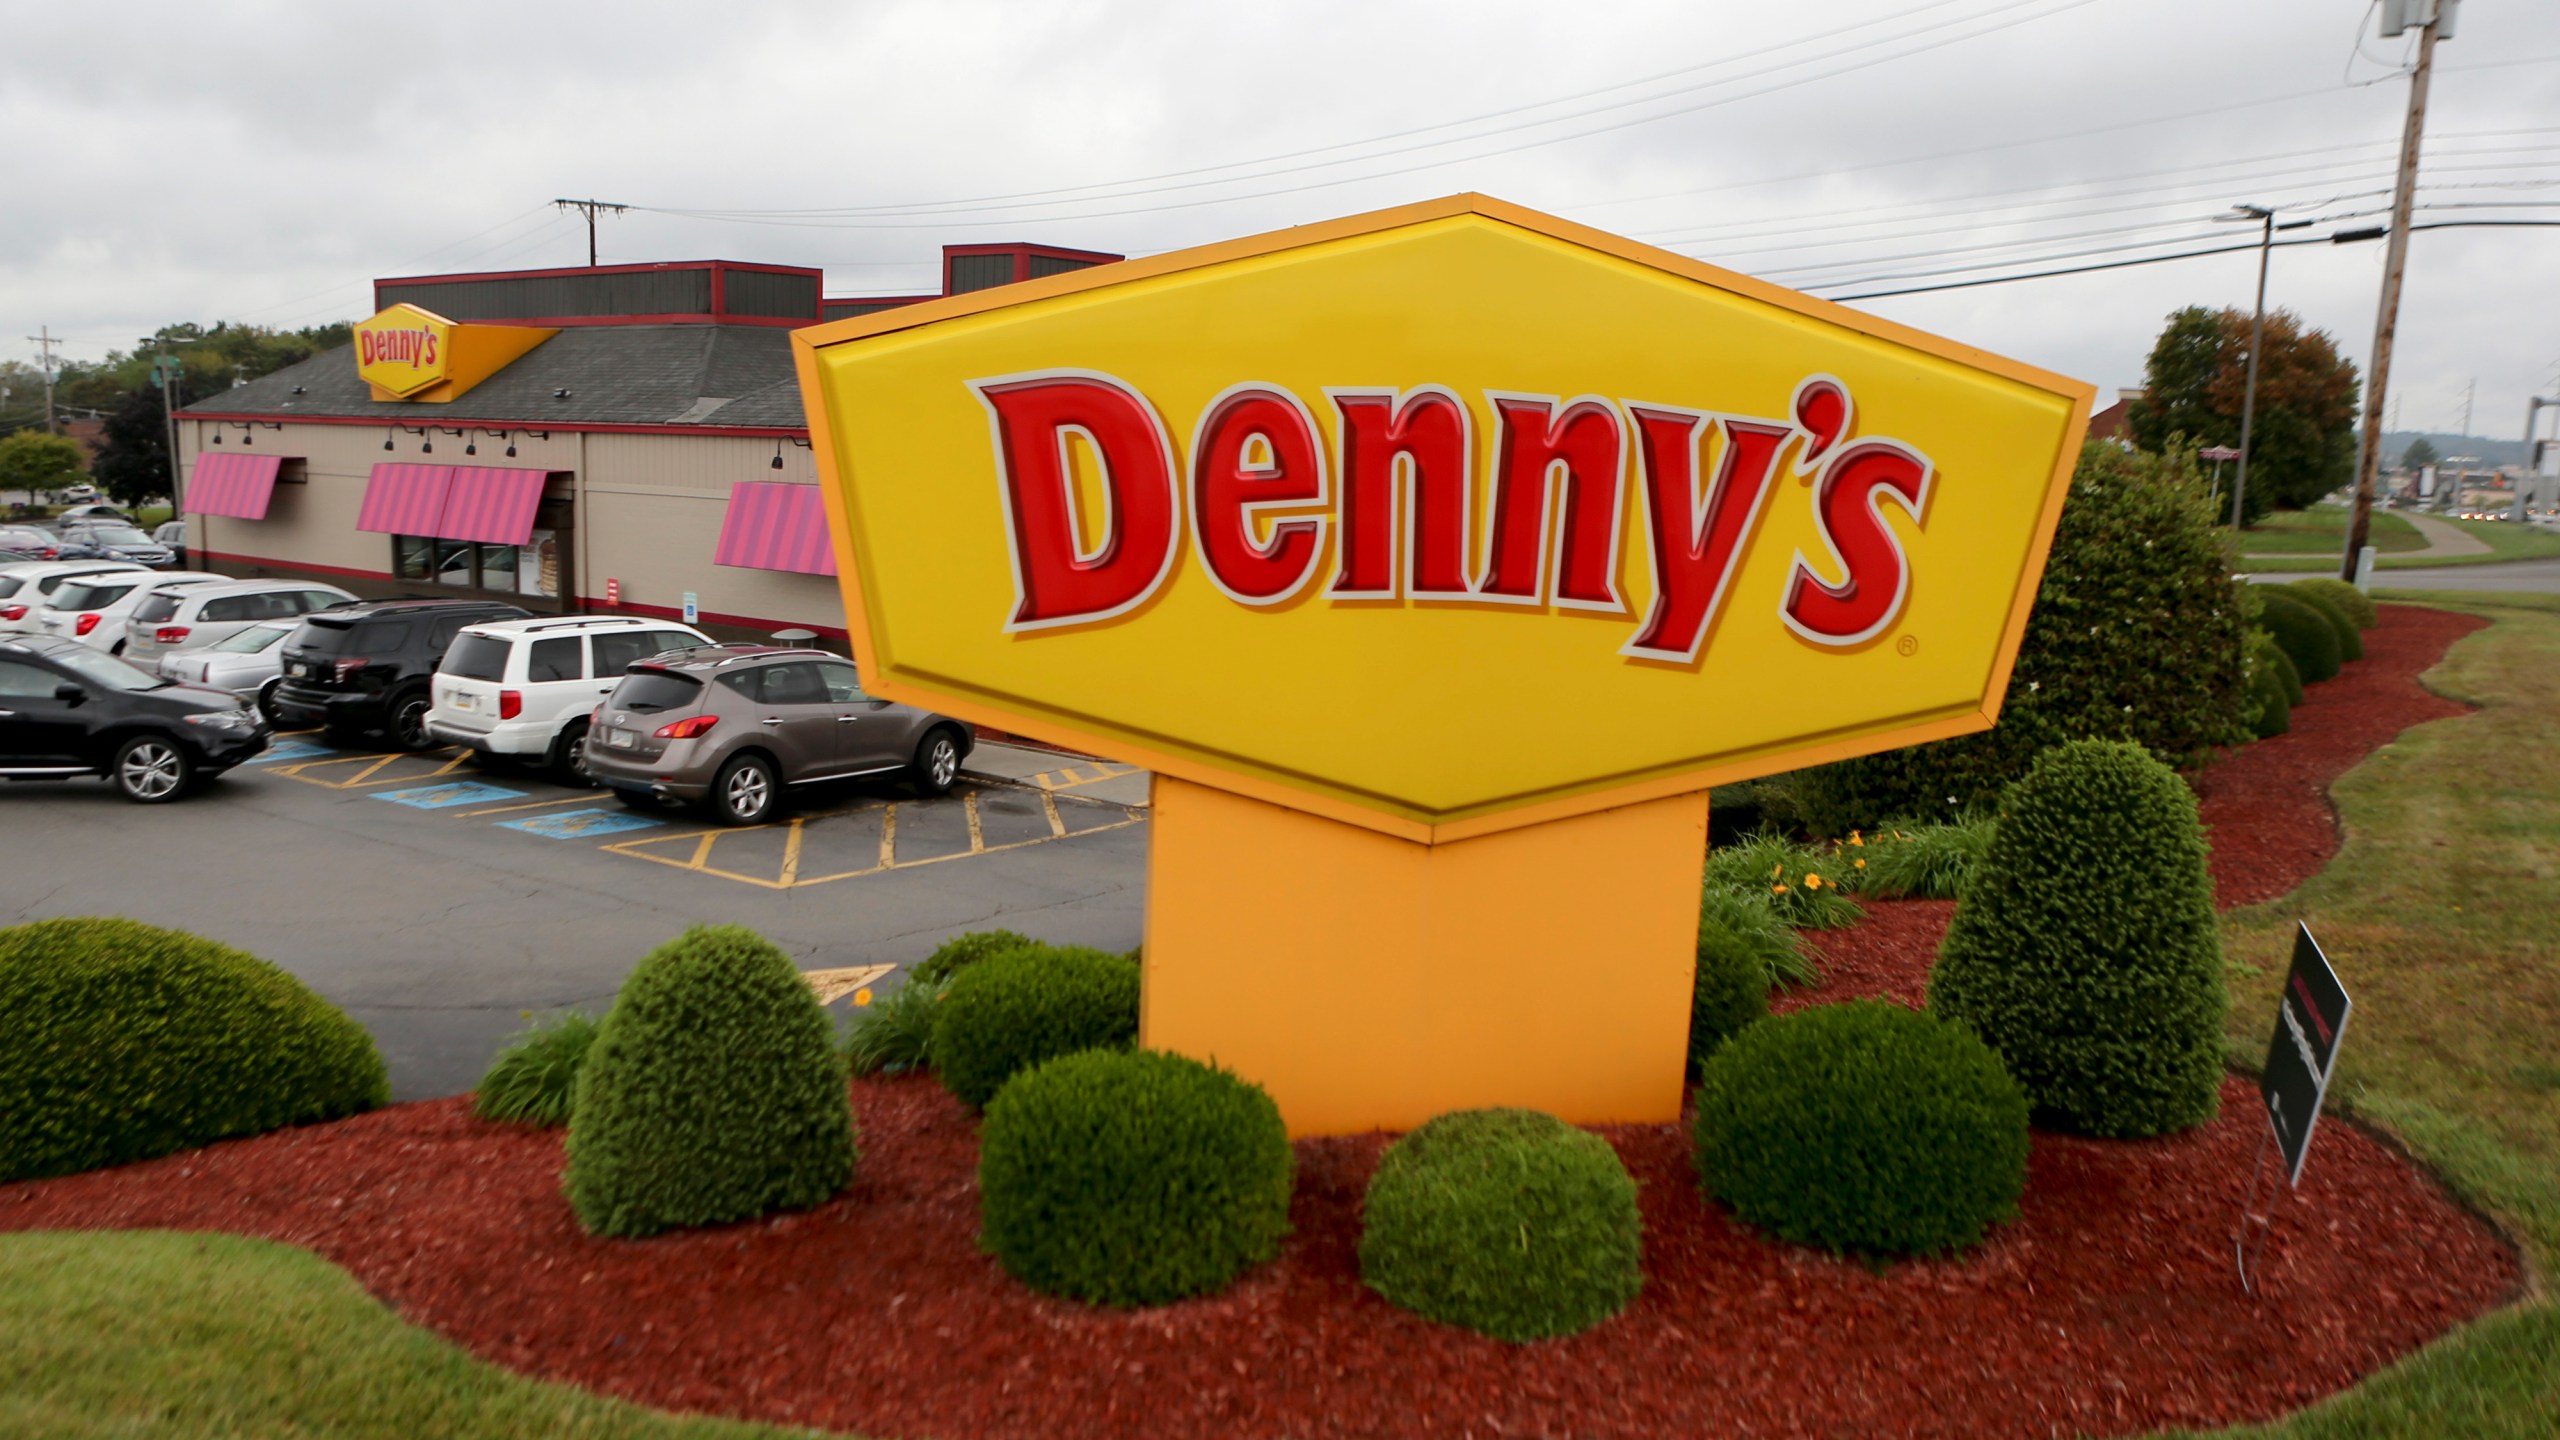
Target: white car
(248, 663)
(183, 617)
(24, 588)
(524, 688)
(94, 610)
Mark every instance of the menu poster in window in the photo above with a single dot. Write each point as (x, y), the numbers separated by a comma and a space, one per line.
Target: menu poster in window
(538, 565)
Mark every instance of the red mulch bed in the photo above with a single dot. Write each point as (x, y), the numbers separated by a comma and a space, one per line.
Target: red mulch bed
(2108, 1307)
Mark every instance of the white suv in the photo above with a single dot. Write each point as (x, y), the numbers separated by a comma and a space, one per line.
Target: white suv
(185, 617)
(94, 609)
(25, 587)
(524, 688)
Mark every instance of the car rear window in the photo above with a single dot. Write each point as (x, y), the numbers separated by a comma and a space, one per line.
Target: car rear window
(477, 657)
(9, 585)
(252, 640)
(653, 690)
(82, 596)
(320, 637)
(159, 606)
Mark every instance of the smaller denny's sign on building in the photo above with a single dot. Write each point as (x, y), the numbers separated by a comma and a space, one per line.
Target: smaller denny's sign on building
(406, 353)
(1437, 561)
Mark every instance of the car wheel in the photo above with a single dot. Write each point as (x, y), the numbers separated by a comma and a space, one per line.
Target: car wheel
(267, 703)
(937, 764)
(409, 721)
(151, 770)
(745, 791)
(568, 759)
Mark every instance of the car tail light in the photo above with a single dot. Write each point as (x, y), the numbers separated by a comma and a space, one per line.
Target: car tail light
(13, 612)
(510, 704)
(85, 623)
(347, 668)
(170, 635)
(693, 728)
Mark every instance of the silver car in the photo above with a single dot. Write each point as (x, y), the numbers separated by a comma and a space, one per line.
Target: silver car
(734, 727)
(248, 663)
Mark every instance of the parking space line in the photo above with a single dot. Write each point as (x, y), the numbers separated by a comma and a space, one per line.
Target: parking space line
(791, 854)
(377, 763)
(1049, 807)
(889, 835)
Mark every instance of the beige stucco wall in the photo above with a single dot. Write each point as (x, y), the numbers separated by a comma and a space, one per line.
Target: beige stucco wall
(648, 511)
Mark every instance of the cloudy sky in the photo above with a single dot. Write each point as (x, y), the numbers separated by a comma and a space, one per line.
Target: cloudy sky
(261, 162)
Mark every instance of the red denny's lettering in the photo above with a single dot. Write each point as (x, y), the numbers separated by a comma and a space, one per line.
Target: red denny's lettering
(1396, 487)
(398, 347)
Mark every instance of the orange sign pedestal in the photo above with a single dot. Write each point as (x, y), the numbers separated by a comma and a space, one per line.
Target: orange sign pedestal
(1370, 982)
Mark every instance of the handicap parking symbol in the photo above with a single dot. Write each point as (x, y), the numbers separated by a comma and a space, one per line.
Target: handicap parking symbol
(579, 824)
(290, 750)
(445, 797)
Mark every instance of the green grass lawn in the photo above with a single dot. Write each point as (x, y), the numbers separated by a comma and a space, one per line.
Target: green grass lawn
(2438, 914)
(2322, 530)
(107, 1336)
(2313, 544)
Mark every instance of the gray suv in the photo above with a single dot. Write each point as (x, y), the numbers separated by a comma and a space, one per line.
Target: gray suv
(733, 727)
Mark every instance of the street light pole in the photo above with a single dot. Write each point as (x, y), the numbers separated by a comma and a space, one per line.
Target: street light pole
(2395, 260)
(2257, 342)
(2532, 457)
(165, 370)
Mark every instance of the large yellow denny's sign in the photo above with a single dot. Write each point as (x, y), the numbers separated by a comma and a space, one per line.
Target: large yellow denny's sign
(1438, 521)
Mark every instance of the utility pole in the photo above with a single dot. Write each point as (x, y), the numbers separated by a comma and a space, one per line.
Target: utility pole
(166, 370)
(589, 208)
(2257, 341)
(46, 340)
(2430, 16)
(2531, 477)
(2470, 389)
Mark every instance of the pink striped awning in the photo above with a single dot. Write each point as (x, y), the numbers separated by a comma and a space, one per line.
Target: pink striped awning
(404, 499)
(234, 485)
(492, 504)
(773, 526)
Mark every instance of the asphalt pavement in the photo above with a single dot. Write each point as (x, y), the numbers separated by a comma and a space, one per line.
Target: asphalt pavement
(440, 903)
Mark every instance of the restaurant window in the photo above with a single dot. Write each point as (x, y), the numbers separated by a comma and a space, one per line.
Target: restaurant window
(534, 568)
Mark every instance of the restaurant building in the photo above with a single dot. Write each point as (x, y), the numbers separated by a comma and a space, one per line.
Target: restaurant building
(624, 438)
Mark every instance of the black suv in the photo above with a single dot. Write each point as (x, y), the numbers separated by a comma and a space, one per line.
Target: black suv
(366, 667)
(67, 710)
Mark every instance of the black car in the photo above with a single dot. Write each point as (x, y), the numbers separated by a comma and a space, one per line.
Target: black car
(359, 669)
(67, 710)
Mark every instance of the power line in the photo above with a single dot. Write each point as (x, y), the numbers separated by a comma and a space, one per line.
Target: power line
(765, 217)
(2342, 238)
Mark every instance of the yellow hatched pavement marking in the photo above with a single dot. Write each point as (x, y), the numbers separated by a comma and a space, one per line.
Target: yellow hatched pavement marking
(834, 985)
(788, 876)
(373, 765)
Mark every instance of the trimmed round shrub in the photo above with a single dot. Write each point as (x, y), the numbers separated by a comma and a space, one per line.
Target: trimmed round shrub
(961, 951)
(2350, 643)
(1024, 1004)
(2343, 597)
(1508, 1222)
(1865, 1128)
(2266, 654)
(120, 1041)
(1132, 1177)
(712, 1092)
(535, 1077)
(2308, 637)
(2086, 952)
(1737, 941)
(2136, 634)
(2274, 711)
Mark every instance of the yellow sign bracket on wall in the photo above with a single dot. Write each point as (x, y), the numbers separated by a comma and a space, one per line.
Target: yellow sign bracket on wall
(408, 353)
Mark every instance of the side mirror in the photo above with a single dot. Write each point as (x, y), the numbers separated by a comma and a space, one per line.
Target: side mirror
(69, 694)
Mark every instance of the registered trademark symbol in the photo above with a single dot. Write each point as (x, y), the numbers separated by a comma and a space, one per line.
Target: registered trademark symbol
(1908, 644)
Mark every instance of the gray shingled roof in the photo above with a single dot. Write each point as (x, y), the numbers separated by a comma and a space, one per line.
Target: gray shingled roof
(615, 375)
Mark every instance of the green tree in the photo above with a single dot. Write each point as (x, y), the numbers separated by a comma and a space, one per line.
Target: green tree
(2302, 444)
(2420, 454)
(33, 461)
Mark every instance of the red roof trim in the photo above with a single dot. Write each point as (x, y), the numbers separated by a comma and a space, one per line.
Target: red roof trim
(386, 422)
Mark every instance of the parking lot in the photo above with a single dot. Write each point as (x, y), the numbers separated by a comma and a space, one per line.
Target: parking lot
(438, 899)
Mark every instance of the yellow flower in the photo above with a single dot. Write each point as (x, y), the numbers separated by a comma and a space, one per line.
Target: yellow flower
(1856, 839)
(1862, 864)
(1777, 889)
(1778, 869)
(1813, 882)
(862, 996)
